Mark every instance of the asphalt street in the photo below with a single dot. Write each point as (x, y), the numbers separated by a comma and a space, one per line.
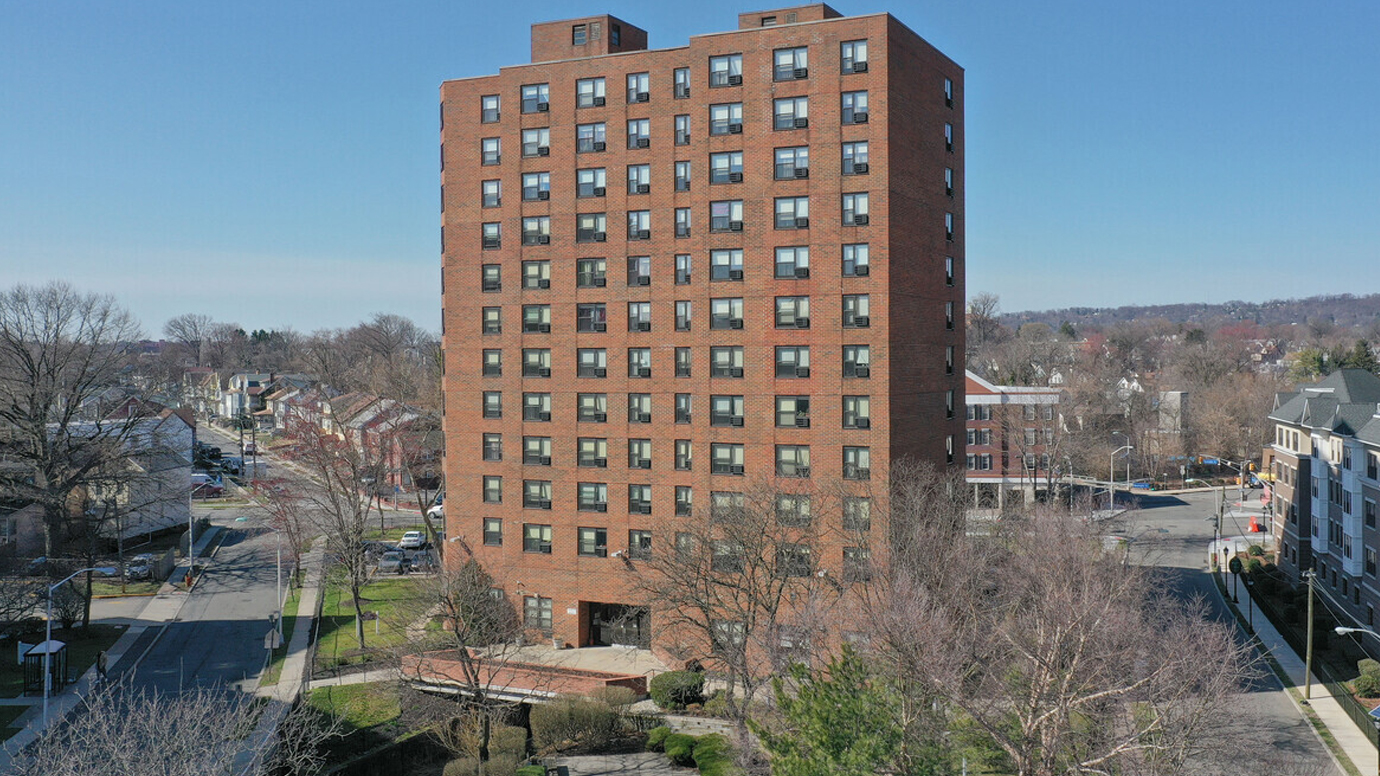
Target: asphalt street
(1173, 532)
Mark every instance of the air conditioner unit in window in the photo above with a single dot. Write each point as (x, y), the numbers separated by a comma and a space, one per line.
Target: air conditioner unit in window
(544, 417)
(735, 274)
(545, 460)
(802, 323)
(600, 371)
(860, 219)
(601, 327)
(948, 191)
(736, 421)
(802, 422)
(543, 107)
(544, 328)
(802, 122)
(543, 239)
(860, 67)
(546, 370)
(735, 80)
(736, 371)
(600, 145)
(644, 508)
(948, 102)
(802, 223)
(862, 321)
(862, 270)
(735, 226)
(862, 370)
(860, 168)
(802, 172)
(644, 371)
(863, 423)
(802, 272)
(735, 177)
(601, 507)
(599, 191)
(600, 282)
(644, 234)
(543, 195)
(736, 468)
(682, 92)
(644, 463)
(801, 72)
(682, 231)
(860, 117)
(599, 102)
(735, 129)
(644, 280)
(642, 417)
(644, 188)
(644, 142)
(600, 237)
(644, 97)
(602, 463)
(644, 325)
(601, 417)
(802, 371)
(544, 283)
(735, 323)
(543, 150)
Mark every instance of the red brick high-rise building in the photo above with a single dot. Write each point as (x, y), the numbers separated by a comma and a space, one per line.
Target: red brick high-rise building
(668, 273)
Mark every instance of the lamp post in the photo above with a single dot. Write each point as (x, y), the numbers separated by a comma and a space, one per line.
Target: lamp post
(1216, 528)
(1069, 462)
(1111, 473)
(48, 636)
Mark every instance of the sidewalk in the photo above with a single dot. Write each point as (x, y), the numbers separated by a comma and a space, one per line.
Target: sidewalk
(124, 655)
(1350, 739)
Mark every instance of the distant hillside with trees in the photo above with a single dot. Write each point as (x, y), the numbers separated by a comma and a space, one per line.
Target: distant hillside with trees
(1342, 311)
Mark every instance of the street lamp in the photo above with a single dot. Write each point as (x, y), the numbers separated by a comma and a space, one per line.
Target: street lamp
(48, 636)
(1111, 473)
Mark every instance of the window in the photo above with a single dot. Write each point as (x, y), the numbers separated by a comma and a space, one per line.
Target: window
(536, 362)
(726, 264)
(724, 505)
(791, 113)
(682, 222)
(792, 312)
(726, 313)
(726, 411)
(592, 453)
(591, 362)
(792, 212)
(536, 231)
(857, 412)
(684, 501)
(592, 408)
(639, 133)
(640, 499)
(491, 151)
(793, 560)
(640, 362)
(769, 21)
(948, 181)
(536, 318)
(855, 260)
(683, 362)
(1368, 511)
(949, 138)
(727, 559)
(536, 98)
(536, 274)
(726, 70)
(579, 35)
(590, 182)
(639, 224)
(639, 408)
(536, 407)
(682, 176)
(684, 403)
(726, 118)
(615, 35)
(726, 458)
(857, 513)
(493, 363)
(492, 320)
(489, 108)
(793, 262)
(793, 509)
(590, 138)
(639, 87)
(590, 227)
(793, 362)
(639, 270)
(682, 269)
(949, 227)
(726, 168)
(855, 210)
(855, 107)
(790, 64)
(639, 544)
(536, 494)
(855, 311)
(639, 179)
(726, 361)
(493, 490)
(593, 542)
(493, 532)
(536, 186)
(684, 310)
(639, 316)
(684, 455)
(793, 411)
(857, 564)
(793, 460)
(855, 158)
(949, 271)
(536, 538)
(591, 316)
(536, 451)
(853, 56)
(683, 130)
(493, 447)
(536, 142)
(681, 78)
(492, 193)
(536, 613)
(949, 92)
(792, 163)
(493, 404)
(491, 236)
(857, 463)
(949, 316)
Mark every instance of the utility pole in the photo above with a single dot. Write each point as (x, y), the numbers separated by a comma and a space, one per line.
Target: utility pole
(1308, 657)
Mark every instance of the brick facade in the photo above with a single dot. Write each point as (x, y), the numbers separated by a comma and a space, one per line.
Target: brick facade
(914, 284)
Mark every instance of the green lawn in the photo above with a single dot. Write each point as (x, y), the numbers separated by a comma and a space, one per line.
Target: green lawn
(8, 714)
(395, 599)
(359, 706)
(83, 644)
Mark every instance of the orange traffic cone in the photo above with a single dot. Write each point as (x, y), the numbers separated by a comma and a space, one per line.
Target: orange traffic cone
(1254, 526)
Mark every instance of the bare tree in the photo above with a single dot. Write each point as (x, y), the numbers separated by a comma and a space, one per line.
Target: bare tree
(192, 330)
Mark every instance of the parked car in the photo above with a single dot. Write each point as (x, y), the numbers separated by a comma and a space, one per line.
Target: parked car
(412, 540)
(394, 562)
(232, 464)
(140, 567)
(250, 448)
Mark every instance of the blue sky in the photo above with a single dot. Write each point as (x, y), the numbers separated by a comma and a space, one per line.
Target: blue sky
(275, 163)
